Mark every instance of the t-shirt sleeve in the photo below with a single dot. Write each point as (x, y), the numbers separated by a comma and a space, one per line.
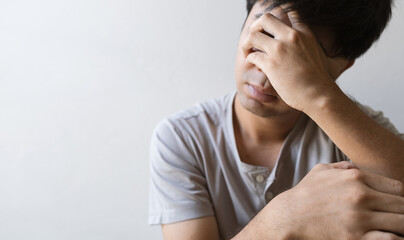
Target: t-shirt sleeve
(379, 117)
(178, 189)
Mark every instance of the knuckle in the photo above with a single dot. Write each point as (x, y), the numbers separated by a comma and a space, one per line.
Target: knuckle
(354, 174)
(398, 187)
(257, 24)
(294, 36)
(253, 26)
(266, 17)
(358, 196)
(320, 166)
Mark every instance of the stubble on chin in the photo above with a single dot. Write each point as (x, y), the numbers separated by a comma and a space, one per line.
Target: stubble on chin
(259, 109)
(253, 106)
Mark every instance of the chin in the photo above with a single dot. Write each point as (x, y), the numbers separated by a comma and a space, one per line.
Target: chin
(260, 109)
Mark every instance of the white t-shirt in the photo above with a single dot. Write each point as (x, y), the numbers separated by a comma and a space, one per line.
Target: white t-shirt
(196, 170)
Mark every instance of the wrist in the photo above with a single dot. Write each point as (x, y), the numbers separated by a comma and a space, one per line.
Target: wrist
(266, 226)
(313, 95)
(326, 99)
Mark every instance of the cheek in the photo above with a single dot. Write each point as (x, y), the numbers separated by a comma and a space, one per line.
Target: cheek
(241, 66)
(240, 59)
(240, 54)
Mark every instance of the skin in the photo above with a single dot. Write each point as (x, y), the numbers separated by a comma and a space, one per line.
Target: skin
(304, 78)
(363, 200)
(348, 204)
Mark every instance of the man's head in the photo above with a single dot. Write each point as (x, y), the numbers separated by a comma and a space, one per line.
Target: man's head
(344, 28)
(356, 24)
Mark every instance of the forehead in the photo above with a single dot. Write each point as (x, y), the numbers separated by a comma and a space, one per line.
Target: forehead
(261, 7)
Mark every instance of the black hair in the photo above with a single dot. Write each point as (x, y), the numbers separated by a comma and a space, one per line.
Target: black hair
(356, 24)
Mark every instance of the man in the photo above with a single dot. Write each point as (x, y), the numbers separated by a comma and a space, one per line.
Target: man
(289, 155)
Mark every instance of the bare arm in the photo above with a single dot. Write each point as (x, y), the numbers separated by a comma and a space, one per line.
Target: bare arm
(195, 229)
(369, 145)
(334, 201)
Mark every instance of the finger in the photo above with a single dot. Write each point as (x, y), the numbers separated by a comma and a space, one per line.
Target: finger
(383, 202)
(389, 222)
(257, 40)
(378, 235)
(340, 165)
(258, 58)
(270, 24)
(383, 184)
(296, 23)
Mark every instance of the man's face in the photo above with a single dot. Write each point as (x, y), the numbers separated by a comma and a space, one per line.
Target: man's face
(255, 91)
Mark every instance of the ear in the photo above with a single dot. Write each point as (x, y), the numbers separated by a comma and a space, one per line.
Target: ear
(338, 65)
(349, 64)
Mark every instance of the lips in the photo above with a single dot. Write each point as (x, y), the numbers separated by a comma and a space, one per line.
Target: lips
(261, 95)
(257, 85)
(255, 50)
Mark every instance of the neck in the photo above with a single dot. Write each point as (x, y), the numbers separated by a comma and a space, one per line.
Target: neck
(263, 130)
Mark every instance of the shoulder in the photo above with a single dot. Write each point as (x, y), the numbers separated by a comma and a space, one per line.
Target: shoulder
(194, 128)
(215, 108)
(201, 116)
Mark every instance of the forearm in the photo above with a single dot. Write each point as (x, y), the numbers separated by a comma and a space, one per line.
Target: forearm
(369, 145)
(263, 227)
(344, 195)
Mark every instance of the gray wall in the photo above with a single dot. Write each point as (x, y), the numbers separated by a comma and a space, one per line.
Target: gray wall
(84, 82)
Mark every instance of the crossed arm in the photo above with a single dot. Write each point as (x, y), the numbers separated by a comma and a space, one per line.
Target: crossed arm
(361, 201)
(334, 201)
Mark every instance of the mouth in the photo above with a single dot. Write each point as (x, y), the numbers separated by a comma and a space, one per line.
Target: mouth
(260, 94)
(254, 76)
(255, 50)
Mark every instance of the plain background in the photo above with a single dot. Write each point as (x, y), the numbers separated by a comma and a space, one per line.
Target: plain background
(84, 82)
